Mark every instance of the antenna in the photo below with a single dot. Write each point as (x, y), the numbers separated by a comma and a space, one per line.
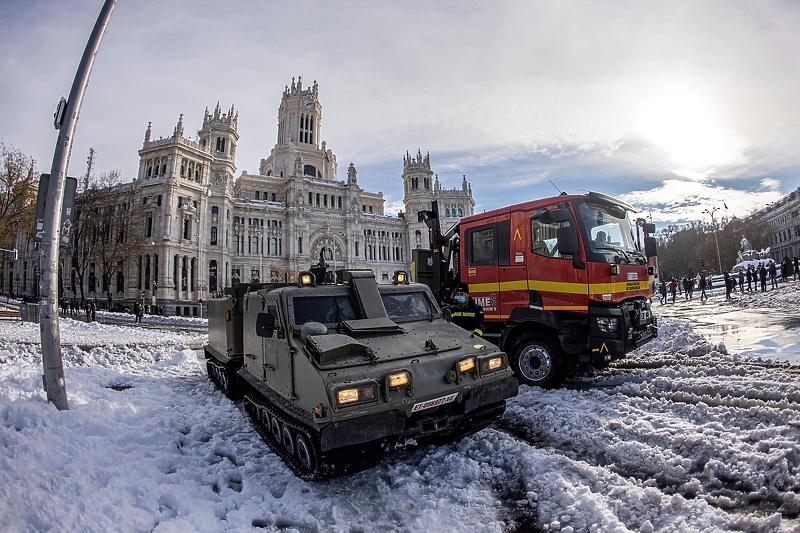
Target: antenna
(554, 185)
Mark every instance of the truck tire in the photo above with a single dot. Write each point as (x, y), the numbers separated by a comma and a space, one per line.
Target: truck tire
(537, 360)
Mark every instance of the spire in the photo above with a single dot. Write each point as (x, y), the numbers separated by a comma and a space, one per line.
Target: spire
(464, 183)
(149, 132)
(217, 112)
(178, 133)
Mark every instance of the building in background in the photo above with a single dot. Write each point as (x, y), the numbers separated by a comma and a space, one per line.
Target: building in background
(202, 228)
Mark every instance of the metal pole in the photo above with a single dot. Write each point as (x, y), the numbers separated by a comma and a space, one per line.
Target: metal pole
(53, 378)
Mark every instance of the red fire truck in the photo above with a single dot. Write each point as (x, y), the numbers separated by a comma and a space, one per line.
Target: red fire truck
(565, 282)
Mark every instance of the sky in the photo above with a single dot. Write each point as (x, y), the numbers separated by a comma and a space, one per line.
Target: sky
(677, 107)
(685, 434)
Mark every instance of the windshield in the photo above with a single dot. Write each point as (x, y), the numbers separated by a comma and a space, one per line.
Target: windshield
(608, 230)
(329, 310)
(406, 305)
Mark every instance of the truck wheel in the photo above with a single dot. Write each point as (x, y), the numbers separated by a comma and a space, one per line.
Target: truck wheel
(304, 452)
(288, 442)
(537, 360)
(275, 427)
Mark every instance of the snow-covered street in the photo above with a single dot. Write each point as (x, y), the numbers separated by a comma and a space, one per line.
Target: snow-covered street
(690, 433)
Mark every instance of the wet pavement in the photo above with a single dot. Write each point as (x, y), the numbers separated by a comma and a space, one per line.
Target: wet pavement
(769, 333)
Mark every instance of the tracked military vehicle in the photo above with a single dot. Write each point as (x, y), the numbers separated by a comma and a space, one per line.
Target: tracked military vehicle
(334, 375)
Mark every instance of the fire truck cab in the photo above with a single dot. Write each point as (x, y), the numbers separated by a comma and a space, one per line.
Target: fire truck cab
(564, 282)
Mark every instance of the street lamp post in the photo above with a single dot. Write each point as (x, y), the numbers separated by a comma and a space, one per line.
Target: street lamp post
(716, 241)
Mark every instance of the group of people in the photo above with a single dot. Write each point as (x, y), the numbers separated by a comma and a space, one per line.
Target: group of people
(73, 308)
(751, 279)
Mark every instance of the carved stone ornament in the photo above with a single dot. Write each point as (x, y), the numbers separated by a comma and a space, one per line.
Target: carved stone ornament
(216, 179)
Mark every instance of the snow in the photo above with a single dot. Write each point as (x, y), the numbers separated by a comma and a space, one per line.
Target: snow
(686, 434)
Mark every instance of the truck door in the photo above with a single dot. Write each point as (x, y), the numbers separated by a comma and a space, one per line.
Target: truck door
(556, 282)
(481, 246)
(513, 275)
(276, 358)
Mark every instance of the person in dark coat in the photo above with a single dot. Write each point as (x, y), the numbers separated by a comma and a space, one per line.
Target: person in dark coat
(466, 312)
(773, 275)
(703, 285)
(762, 276)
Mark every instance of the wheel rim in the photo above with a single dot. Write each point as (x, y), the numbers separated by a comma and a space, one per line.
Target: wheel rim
(535, 362)
(304, 452)
(288, 442)
(276, 429)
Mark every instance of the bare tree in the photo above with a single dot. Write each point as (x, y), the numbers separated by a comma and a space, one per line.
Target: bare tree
(18, 185)
(105, 237)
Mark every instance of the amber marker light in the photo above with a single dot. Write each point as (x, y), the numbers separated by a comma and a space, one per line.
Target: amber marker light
(306, 279)
(399, 379)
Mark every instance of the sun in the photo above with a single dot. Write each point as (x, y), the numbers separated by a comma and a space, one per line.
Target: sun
(685, 126)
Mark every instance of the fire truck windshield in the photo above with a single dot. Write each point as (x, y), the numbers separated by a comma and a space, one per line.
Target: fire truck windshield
(608, 232)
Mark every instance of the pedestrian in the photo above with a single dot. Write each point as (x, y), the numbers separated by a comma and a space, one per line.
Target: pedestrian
(773, 275)
(703, 284)
(728, 284)
(673, 288)
(741, 281)
(136, 308)
(796, 265)
(786, 268)
(762, 276)
(662, 289)
(749, 277)
(466, 312)
(93, 307)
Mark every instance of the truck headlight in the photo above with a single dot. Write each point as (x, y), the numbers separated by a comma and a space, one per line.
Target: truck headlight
(355, 395)
(492, 364)
(607, 325)
(465, 365)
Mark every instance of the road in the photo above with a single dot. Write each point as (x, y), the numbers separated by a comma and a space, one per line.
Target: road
(749, 324)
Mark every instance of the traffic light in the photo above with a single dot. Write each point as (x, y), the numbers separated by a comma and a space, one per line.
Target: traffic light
(702, 263)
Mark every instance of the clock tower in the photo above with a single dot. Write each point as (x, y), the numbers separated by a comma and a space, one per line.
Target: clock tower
(299, 126)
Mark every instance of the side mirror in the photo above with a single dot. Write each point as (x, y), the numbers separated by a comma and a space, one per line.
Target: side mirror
(650, 247)
(560, 215)
(266, 326)
(567, 240)
(649, 228)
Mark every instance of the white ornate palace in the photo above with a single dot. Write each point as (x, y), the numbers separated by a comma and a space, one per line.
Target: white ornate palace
(204, 228)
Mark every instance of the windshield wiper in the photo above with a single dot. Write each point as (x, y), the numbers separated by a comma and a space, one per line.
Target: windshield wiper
(617, 251)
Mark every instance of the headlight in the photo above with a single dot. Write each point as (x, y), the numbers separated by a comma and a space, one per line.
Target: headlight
(465, 365)
(607, 325)
(399, 379)
(355, 395)
(492, 364)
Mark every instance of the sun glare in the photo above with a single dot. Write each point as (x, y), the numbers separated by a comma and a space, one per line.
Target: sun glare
(685, 127)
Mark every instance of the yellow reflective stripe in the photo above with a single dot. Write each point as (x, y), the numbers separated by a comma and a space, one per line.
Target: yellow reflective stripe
(563, 287)
(566, 308)
(463, 313)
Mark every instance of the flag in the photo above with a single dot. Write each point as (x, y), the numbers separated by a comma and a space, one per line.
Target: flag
(726, 205)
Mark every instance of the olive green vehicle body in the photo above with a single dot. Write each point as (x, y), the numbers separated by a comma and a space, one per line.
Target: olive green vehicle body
(294, 353)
